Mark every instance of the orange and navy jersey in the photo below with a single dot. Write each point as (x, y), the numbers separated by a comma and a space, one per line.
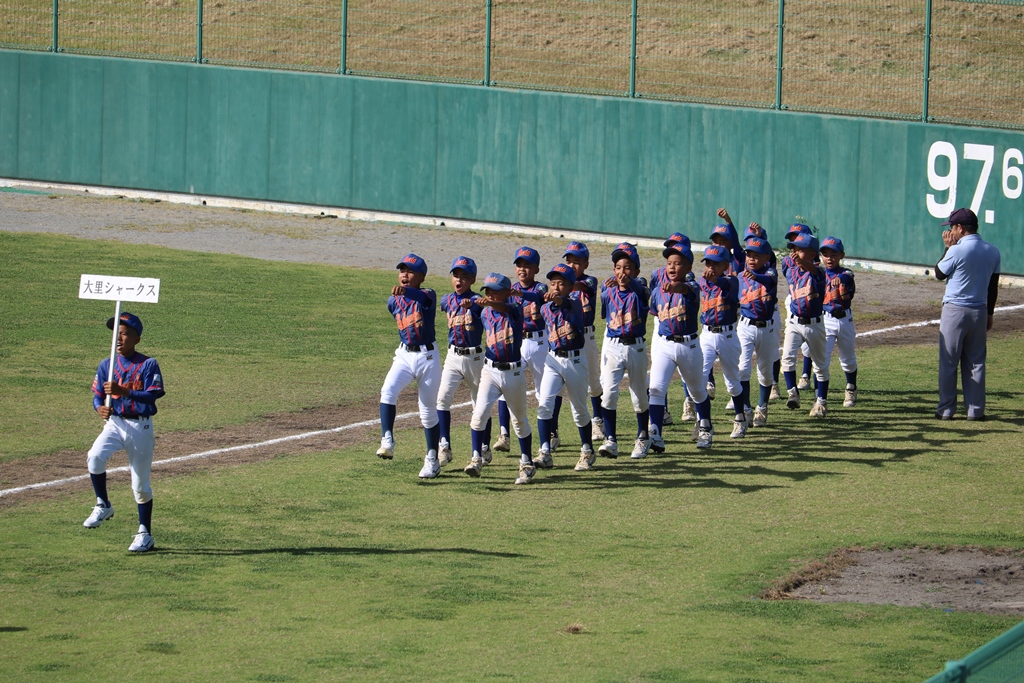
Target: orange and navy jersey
(677, 313)
(587, 299)
(140, 374)
(657, 277)
(564, 325)
(414, 312)
(503, 333)
(806, 291)
(531, 299)
(625, 311)
(719, 300)
(839, 290)
(464, 326)
(758, 293)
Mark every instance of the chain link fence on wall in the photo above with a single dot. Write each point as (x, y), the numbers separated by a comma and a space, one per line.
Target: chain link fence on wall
(954, 61)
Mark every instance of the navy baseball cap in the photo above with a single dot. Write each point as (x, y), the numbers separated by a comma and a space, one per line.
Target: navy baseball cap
(716, 252)
(413, 263)
(678, 248)
(962, 217)
(677, 238)
(128, 319)
(750, 233)
(797, 229)
(758, 245)
(531, 256)
(626, 250)
(833, 243)
(577, 249)
(497, 282)
(723, 230)
(465, 263)
(563, 270)
(804, 240)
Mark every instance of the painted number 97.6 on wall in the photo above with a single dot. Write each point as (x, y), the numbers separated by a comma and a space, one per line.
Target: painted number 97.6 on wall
(943, 176)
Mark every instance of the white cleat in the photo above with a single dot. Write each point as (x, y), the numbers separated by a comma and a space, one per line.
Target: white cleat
(609, 449)
(387, 447)
(695, 434)
(597, 429)
(503, 444)
(804, 383)
(705, 435)
(748, 415)
(640, 448)
(793, 399)
(819, 408)
(143, 541)
(474, 467)
(657, 444)
(526, 473)
(775, 395)
(99, 513)
(555, 441)
(731, 405)
(760, 416)
(444, 453)
(587, 458)
(667, 420)
(431, 466)
(851, 398)
(543, 460)
(689, 410)
(711, 390)
(485, 454)
(739, 427)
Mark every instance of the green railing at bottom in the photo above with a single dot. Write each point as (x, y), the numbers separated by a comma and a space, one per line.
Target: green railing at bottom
(998, 661)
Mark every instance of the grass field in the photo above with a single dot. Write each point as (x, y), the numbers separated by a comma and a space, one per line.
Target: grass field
(340, 566)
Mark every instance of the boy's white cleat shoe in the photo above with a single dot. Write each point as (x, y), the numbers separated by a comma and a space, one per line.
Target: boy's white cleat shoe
(658, 443)
(556, 441)
(503, 444)
(544, 460)
(793, 399)
(804, 382)
(705, 435)
(609, 449)
(819, 408)
(526, 473)
(667, 420)
(485, 454)
(760, 416)
(775, 395)
(731, 405)
(474, 467)
(387, 447)
(431, 466)
(640, 448)
(143, 541)
(739, 427)
(587, 458)
(99, 513)
(850, 398)
(444, 453)
(597, 429)
(689, 410)
(711, 390)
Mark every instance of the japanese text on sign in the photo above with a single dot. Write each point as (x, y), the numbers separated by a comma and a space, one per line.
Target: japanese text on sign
(114, 288)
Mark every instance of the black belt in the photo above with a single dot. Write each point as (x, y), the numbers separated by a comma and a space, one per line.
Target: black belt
(533, 335)
(629, 341)
(719, 328)
(498, 365)
(838, 315)
(418, 349)
(680, 338)
(466, 350)
(566, 353)
(808, 321)
(757, 323)
(132, 416)
(588, 329)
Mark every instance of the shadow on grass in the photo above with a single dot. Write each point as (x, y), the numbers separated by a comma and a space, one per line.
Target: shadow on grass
(327, 550)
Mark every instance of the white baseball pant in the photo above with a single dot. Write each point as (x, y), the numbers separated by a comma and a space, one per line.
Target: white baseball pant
(573, 373)
(534, 352)
(618, 359)
(763, 341)
(813, 335)
(593, 353)
(842, 333)
(508, 384)
(724, 345)
(688, 359)
(425, 368)
(134, 437)
(459, 369)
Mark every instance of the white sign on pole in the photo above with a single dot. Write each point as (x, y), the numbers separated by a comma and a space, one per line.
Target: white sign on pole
(115, 288)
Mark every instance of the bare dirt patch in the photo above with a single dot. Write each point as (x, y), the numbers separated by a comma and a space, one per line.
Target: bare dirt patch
(961, 579)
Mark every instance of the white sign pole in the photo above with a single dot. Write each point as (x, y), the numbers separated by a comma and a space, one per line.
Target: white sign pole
(113, 346)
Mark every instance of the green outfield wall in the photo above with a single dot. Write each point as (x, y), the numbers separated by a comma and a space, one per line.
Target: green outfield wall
(602, 164)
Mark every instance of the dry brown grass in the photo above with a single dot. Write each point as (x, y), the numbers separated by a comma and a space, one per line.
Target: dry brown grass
(828, 567)
(855, 57)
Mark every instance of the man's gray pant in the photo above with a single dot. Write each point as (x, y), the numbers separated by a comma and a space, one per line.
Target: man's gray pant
(962, 337)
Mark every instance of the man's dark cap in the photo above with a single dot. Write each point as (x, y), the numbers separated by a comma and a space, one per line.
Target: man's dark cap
(962, 217)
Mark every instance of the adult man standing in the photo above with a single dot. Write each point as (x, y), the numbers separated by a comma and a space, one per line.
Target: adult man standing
(970, 267)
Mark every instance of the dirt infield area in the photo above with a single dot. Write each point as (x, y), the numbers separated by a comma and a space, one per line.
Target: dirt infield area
(968, 580)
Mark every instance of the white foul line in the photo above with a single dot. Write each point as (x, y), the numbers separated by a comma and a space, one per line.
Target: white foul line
(370, 423)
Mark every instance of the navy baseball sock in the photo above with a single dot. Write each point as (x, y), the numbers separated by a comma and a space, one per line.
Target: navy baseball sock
(557, 411)
(807, 366)
(146, 515)
(643, 421)
(745, 394)
(657, 418)
(586, 435)
(444, 421)
(99, 485)
(544, 432)
(766, 392)
(487, 433)
(610, 428)
(790, 376)
(387, 418)
(823, 391)
(503, 416)
(851, 379)
(525, 448)
(433, 435)
(704, 410)
(776, 369)
(476, 438)
(595, 405)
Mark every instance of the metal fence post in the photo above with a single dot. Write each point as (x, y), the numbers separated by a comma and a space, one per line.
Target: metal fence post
(778, 56)
(199, 32)
(344, 37)
(487, 44)
(632, 51)
(927, 59)
(56, 13)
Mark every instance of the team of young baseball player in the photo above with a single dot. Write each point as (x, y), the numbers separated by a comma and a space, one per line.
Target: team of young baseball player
(494, 336)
